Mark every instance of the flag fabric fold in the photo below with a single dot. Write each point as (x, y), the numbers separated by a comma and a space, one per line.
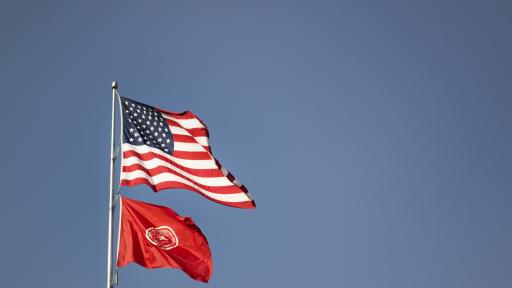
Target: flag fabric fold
(155, 236)
(166, 150)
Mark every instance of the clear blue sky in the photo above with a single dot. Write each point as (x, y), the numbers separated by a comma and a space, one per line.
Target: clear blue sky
(375, 137)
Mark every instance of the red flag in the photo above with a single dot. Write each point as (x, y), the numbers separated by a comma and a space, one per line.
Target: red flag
(155, 236)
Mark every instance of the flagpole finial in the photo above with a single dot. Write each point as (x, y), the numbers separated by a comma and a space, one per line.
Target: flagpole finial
(114, 85)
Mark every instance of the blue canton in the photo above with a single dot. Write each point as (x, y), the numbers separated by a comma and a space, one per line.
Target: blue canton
(143, 125)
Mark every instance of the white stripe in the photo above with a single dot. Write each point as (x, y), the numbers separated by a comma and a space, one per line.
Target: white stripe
(185, 123)
(179, 130)
(189, 147)
(202, 140)
(154, 163)
(194, 164)
(237, 197)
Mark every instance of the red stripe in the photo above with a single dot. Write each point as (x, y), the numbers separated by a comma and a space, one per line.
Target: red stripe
(215, 172)
(188, 139)
(192, 155)
(184, 138)
(198, 132)
(178, 185)
(161, 169)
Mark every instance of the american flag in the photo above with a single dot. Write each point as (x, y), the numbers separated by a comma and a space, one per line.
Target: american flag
(167, 150)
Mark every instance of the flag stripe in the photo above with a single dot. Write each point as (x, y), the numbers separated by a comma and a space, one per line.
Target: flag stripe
(160, 170)
(156, 166)
(185, 123)
(188, 147)
(152, 161)
(192, 155)
(164, 171)
(179, 185)
(178, 131)
(158, 182)
(203, 140)
(185, 138)
(143, 153)
(196, 132)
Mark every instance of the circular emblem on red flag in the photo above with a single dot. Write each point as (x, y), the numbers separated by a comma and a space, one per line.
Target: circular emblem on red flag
(162, 237)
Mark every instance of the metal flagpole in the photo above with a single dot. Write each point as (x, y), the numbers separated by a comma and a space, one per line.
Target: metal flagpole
(111, 193)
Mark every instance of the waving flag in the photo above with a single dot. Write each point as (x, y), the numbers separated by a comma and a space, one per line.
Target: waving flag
(156, 237)
(171, 150)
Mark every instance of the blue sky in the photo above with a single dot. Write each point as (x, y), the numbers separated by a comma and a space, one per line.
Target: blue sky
(375, 137)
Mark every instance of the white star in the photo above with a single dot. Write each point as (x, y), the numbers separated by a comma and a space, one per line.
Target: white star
(131, 139)
(156, 133)
(159, 139)
(167, 140)
(143, 117)
(131, 129)
(131, 109)
(135, 114)
(147, 122)
(152, 128)
(149, 117)
(140, 139)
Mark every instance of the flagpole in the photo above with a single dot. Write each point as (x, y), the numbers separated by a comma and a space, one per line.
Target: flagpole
(111, 192)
